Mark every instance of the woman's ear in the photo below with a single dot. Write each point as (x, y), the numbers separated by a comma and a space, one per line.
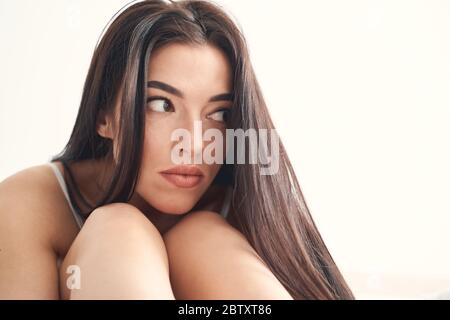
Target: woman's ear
(104, 125)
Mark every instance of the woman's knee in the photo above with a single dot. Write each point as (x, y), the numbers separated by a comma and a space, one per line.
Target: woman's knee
(200, 226)
(119, 239)
(117, 218)
(115, 224)
(204, 247)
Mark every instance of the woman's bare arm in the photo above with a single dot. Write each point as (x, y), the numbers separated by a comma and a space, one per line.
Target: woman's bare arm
(28, 267)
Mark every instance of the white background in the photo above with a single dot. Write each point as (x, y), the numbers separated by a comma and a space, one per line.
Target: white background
(359, 92)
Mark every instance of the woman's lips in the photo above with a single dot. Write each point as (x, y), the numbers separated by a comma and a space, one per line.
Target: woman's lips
(182, 180)
(184, 176)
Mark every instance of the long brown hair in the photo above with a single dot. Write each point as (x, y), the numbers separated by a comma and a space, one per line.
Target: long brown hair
(271, 211)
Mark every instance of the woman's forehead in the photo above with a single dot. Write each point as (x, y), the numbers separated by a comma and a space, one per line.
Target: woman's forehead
(191, 68)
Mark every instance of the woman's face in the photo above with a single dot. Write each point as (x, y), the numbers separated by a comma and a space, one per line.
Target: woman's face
(198, 73)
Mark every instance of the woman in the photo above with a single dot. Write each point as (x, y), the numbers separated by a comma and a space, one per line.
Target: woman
(228, 231)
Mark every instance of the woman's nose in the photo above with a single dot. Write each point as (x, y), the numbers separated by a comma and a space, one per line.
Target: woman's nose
(193, 148)
(197, 143)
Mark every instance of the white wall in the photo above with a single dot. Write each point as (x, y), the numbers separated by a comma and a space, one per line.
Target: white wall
(359, 91)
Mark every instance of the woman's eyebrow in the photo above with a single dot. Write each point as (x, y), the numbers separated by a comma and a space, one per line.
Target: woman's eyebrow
(168, 88)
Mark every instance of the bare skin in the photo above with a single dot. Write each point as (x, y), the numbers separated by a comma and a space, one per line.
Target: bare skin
(31, 244)
(114, 262)
(153, 247)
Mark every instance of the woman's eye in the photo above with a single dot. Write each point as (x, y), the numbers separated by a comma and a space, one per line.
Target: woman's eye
(159, 104)
(221, 115)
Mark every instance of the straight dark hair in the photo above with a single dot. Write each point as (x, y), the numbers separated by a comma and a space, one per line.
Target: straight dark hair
(271, 211)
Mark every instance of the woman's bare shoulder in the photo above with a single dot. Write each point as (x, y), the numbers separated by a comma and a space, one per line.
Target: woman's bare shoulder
(35, 184)
(32, 198)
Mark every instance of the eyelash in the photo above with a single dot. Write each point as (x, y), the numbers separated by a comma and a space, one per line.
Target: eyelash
(149, 99)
